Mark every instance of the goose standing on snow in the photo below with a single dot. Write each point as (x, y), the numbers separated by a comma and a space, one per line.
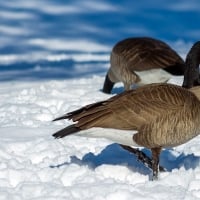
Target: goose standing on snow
(154, 116)
(142, 60)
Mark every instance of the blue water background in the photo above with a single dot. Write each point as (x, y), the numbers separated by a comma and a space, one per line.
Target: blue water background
(24, 23)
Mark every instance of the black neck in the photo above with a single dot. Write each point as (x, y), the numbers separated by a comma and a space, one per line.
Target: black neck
(191, 75)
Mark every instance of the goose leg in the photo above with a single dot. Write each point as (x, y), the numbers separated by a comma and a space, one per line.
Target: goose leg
(142, 157)
(155, 161)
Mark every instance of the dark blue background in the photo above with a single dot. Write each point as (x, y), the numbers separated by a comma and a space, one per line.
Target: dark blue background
(103, 22)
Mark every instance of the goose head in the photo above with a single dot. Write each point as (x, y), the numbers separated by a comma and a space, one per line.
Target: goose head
(191, 75)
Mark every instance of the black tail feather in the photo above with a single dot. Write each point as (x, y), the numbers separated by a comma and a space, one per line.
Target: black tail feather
(66, 131)
(176, 70)
(72, 114)
(59, 118)
(108, 85)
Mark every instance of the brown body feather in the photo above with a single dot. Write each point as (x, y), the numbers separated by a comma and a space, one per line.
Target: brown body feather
(140, 54)
(145, 53)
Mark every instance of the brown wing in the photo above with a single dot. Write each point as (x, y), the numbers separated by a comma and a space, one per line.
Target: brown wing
(146, 53)
(132, 109)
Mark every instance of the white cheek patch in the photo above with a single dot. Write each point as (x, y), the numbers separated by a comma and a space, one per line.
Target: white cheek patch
(124, 137)
(153, 76)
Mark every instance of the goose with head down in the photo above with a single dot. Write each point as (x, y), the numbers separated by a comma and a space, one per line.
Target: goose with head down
(142, 60)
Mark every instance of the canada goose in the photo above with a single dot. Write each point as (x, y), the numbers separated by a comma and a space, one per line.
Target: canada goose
(133, 58)
(154, 116)
(191, 75)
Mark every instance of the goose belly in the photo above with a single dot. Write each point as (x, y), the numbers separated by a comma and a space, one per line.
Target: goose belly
(119, 136)
(153, 76)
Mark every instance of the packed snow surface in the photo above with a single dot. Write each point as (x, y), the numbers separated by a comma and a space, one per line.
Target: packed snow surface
(34, 165)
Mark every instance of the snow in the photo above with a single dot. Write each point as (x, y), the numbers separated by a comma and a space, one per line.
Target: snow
(34, 165)
(54, 57)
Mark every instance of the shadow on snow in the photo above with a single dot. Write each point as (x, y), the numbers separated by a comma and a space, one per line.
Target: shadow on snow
(114, 155)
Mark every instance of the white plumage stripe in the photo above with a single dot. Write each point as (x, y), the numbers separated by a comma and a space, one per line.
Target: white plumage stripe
(124, 137)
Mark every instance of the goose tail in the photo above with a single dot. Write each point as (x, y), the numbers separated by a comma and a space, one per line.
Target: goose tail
(59, 118)
(66, 131)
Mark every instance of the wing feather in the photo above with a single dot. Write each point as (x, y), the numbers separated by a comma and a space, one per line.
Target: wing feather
(132, 109)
